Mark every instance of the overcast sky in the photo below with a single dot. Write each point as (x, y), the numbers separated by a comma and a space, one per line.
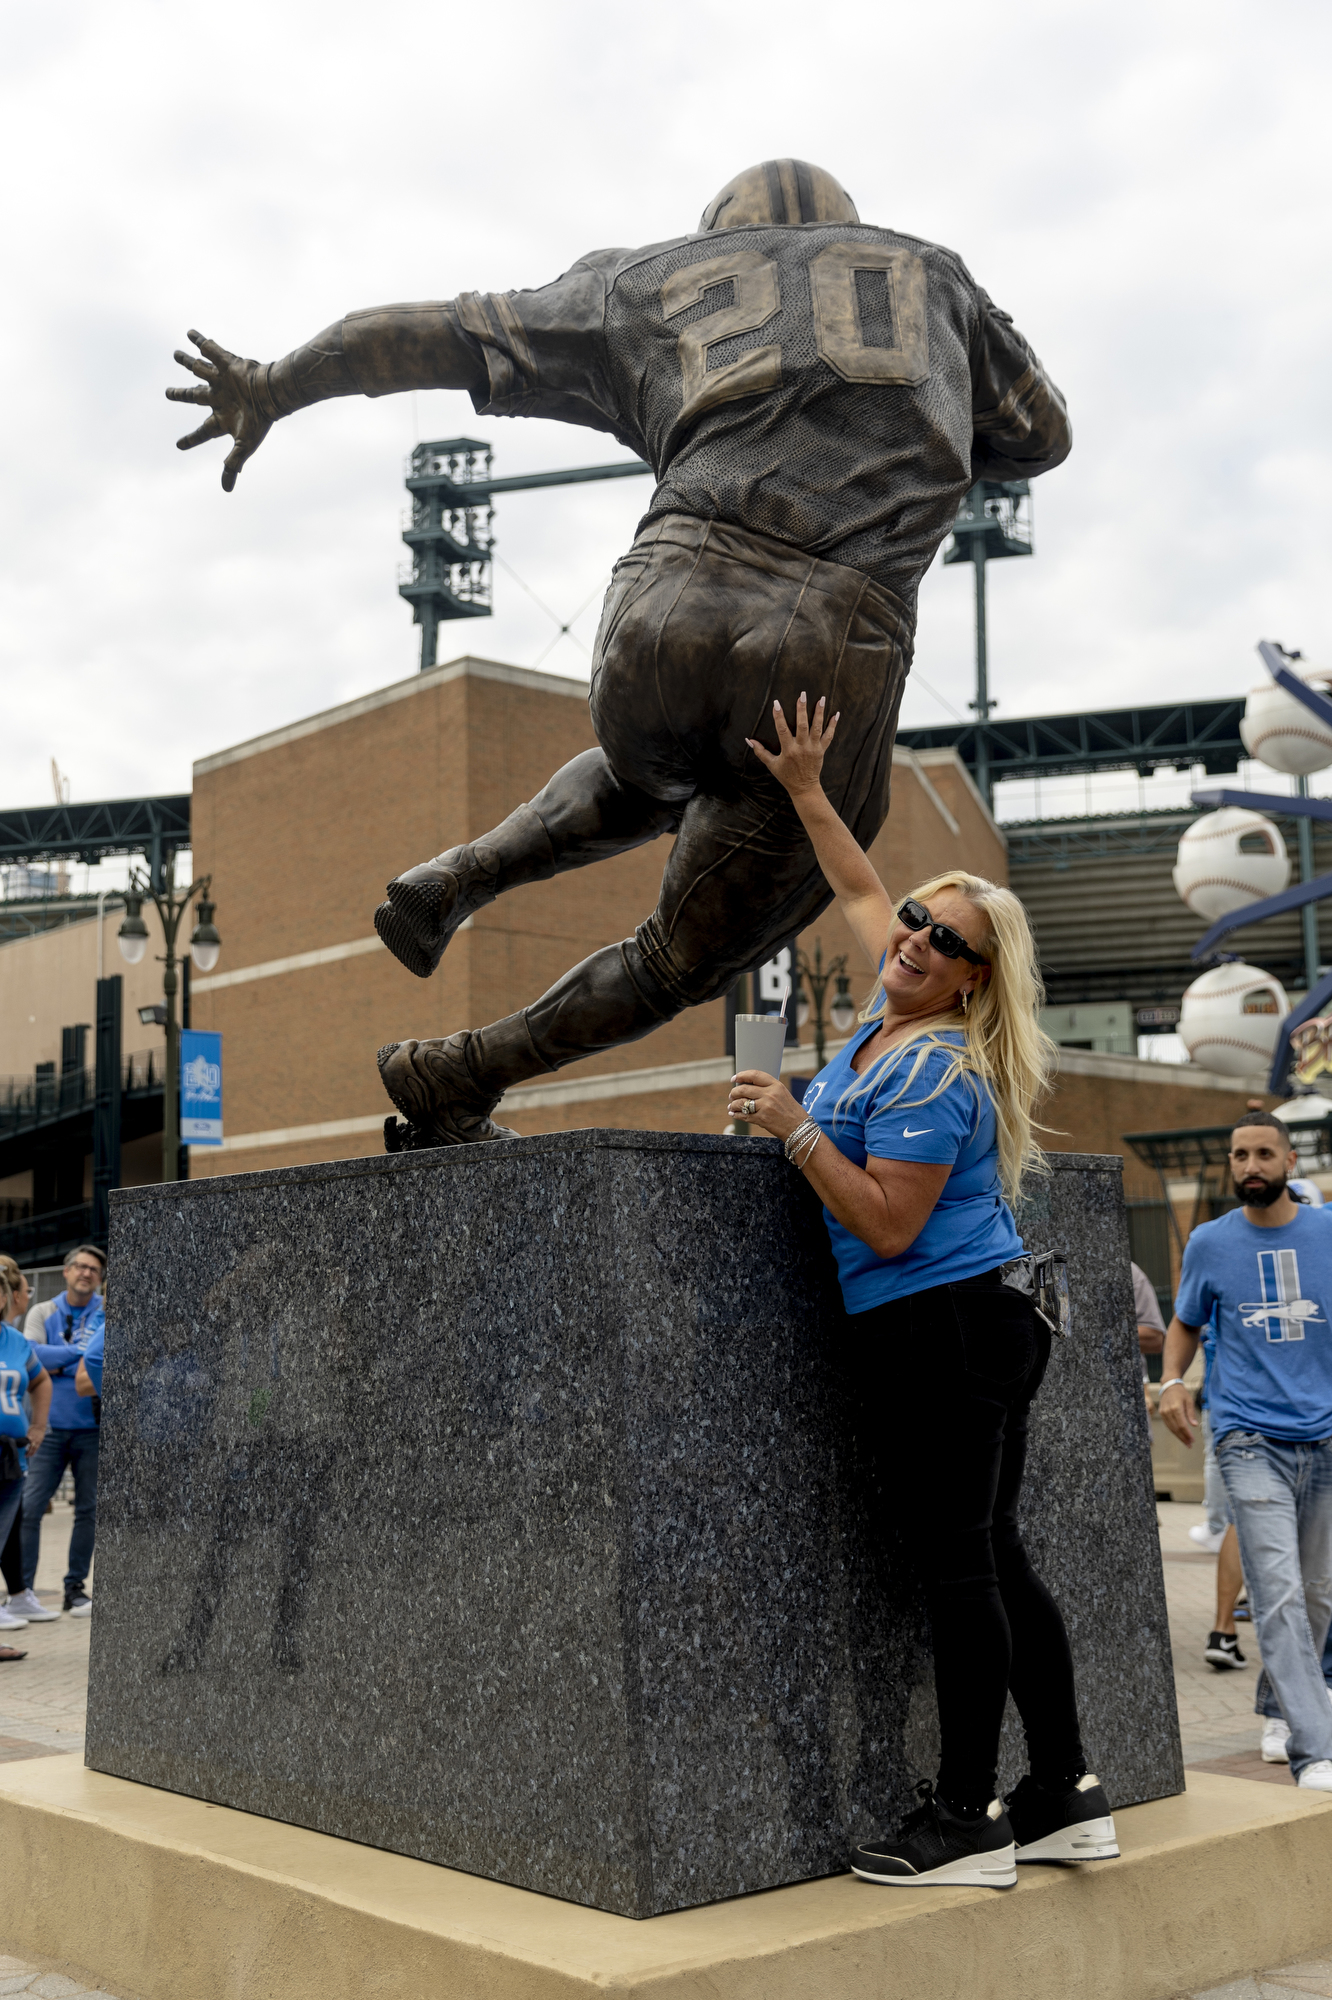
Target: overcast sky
(1144, 186)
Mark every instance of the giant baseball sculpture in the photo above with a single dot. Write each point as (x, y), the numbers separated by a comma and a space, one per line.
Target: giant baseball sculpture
(815, 396)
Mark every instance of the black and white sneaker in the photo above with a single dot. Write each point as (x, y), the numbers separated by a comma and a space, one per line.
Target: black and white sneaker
(1074, 1826)
(1222, 1651)
(935, 1846)
(77, 1601)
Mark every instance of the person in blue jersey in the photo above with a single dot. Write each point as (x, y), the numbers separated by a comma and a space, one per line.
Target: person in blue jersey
(72, 1439)
(22, 1380)
(88, 1374)
(916, 1138)
(1263, 1272)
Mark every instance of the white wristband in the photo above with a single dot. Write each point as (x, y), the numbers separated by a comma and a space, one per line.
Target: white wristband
(1175, 1382)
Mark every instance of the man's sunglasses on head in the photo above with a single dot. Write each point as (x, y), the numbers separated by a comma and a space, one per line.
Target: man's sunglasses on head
(946, 941)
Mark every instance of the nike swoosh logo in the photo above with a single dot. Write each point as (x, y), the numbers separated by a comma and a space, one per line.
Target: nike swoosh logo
(907, 1134)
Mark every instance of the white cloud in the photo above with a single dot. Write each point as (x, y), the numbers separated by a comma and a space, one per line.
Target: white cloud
(1144, 186)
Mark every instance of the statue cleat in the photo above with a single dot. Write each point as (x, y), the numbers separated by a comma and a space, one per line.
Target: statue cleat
(433, 1088)
(427, 904)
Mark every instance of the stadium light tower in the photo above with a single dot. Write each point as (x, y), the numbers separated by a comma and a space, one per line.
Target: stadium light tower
(993, 521)
(451, 529)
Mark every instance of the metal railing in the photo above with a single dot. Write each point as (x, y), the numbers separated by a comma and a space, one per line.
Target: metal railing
(28, 1101)
(47, 1235)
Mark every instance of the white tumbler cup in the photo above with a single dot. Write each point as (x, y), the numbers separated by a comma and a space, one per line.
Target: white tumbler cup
(759, 1041)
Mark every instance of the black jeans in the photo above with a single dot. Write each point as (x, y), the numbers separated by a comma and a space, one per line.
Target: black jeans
(963, 1362)
(11, 1556)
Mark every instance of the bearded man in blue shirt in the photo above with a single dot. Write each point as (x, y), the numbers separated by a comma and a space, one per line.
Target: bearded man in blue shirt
(1265, 1269)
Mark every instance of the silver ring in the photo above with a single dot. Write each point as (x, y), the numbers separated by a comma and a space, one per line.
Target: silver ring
(751, 1106)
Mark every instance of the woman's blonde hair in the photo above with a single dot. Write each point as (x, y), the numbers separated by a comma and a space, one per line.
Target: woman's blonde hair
(10, 1279)
(1003, 1044)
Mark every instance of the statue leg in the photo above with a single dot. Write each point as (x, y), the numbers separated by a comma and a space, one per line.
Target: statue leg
(584, 814)
(703, 628)
(740, 881)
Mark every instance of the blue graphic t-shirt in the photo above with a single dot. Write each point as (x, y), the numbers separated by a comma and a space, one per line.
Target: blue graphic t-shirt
(19, 1369)
(1270, 1368)
(970, 1228)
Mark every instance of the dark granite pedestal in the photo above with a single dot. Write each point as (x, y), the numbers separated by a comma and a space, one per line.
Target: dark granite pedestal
(497, 1507)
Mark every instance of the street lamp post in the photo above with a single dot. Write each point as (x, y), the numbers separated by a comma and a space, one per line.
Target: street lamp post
(843, 1009)
(205, 945)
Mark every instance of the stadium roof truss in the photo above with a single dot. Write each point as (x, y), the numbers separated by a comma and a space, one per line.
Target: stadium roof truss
(91, 832)
(1183, 735)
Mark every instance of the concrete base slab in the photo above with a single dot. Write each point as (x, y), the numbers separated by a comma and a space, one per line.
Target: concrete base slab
(182, 1897)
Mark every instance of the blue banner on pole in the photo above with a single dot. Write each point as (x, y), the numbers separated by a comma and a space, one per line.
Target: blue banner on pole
(200, 1088)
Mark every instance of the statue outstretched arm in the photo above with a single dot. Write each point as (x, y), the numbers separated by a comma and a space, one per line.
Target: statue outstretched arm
(372, 353)
(1019, 419)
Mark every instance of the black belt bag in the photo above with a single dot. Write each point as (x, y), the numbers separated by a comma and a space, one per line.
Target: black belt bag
(1044, 1280)
(10, 1466)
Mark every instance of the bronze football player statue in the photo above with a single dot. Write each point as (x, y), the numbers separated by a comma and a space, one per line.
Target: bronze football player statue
(815, 396)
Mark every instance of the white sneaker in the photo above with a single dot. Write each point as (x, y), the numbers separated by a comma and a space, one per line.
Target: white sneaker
(1316, 1777)
(26, 1604)
(1276, 1734)
(1203, 1536)
(9, 1620)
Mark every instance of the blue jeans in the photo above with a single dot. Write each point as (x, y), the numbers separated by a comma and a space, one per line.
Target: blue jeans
(45, 1469)
(1216, 1507)
(1281, 1498)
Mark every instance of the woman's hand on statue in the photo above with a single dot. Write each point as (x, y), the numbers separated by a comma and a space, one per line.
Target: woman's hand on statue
(227, 389)
(1178, 1412)
(799, 761)
(760, 1099)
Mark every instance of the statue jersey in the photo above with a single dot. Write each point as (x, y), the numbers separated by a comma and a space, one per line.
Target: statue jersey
(835, 386)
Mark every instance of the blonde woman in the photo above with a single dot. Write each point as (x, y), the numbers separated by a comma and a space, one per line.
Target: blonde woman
(916, 1137)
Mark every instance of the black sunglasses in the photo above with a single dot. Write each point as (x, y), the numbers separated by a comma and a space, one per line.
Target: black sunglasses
(946, 941)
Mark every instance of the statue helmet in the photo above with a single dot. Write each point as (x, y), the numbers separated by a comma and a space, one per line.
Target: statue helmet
(781, 191)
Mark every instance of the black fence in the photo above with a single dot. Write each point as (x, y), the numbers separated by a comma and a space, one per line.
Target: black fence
(48, 1236)
(30, 1101)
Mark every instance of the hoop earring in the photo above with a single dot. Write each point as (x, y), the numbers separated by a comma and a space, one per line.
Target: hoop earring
(965, 998)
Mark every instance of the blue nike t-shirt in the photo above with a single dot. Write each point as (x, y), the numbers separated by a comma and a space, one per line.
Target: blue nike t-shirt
(19, 1369)
(1270, 1368)
(970, 1228)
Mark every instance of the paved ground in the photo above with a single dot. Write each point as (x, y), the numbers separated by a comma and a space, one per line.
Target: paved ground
(52, 1982)
(42, 1702)
(42, 1698)
(1283, 1983)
